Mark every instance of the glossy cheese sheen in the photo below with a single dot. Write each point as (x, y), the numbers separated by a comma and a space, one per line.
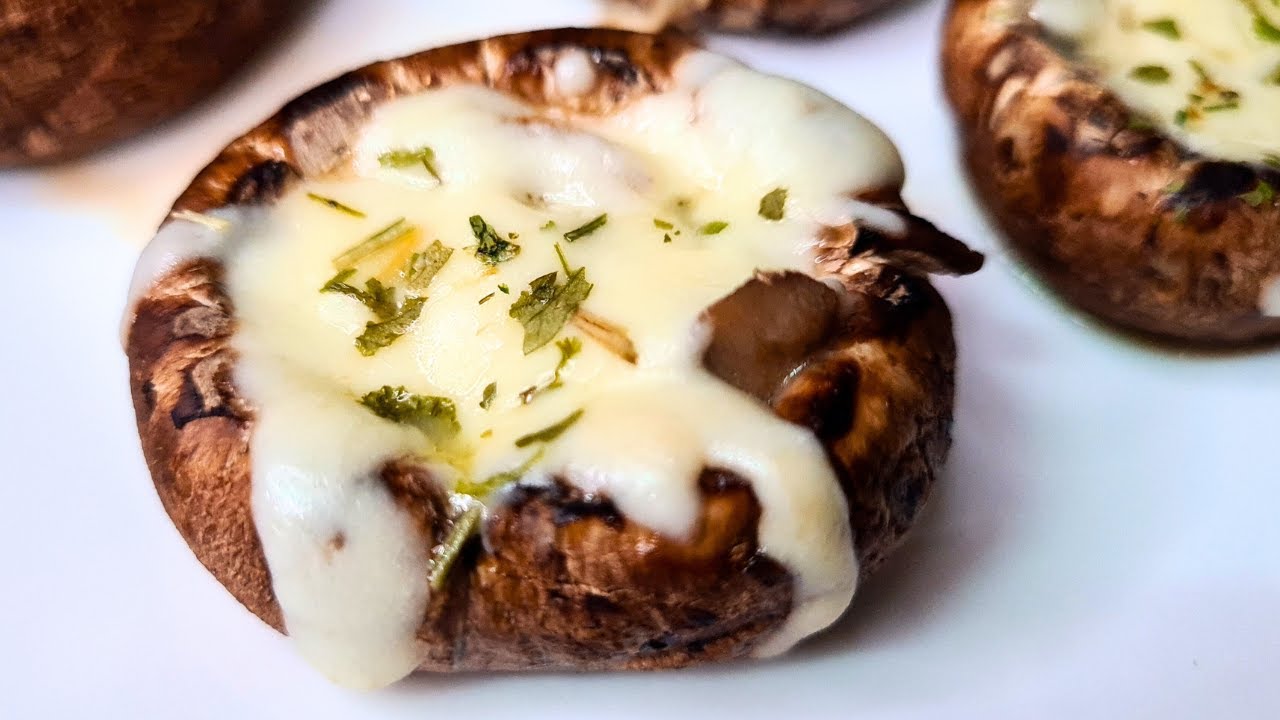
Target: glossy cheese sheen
(1219, 35)
(705, 151)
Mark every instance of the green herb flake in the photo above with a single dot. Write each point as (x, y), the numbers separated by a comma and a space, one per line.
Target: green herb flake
(513, 236)
(1264, 29)
(569, 348)
(663, 224)
(773, 204)
(435, 417)
(548, 225)
(408, 158)
(487, 298)
(497, 481)
(1229, 104)
(464, 526)
(551, 432)
(490, 248)
(335, 205)
(381, 334)
(1152, 74)
(505, 290)
(585, 230)
(372, 244)
(423, 266)
(546, 306)
(1261, 195)
(379, 299)
(490, 392)
(1166, 27)
(714, 227)
(666, 237)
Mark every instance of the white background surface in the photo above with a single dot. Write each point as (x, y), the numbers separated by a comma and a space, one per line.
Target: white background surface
(1105, 543)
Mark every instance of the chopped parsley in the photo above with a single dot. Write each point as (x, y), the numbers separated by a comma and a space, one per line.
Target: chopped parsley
(423, 266)
(1168, 27)
(408, 158)
(715, 227)
(550, 432)
(498, 480)
(1262, 27)
(1209, 96)
(548, 225)
(580, 232)
(490, 392)
(380, 300)
(569, 347)
(1261, 195)
(773, 204)
(373, 244)
(490, 247)
(666, 237)
(1152, 74)
(503, 287)
(663, 224)
(435, 417)
(378, 335)
(547, 306)
(464, 526)
(335, 205)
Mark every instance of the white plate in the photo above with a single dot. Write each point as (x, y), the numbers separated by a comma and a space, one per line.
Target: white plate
(1105, 543)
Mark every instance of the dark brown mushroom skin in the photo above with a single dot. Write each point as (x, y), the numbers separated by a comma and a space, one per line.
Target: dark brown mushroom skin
(1120, 220)
(557, 578)
(77, 75)
(802, 17)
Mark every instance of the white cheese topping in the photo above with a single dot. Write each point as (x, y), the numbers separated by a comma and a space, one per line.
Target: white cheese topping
(1206, 72)
(347, 565)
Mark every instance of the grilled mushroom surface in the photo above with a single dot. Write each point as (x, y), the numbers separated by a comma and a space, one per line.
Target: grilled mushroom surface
(1129, 151)
(75, 75)
(385, 544)
(803, 17)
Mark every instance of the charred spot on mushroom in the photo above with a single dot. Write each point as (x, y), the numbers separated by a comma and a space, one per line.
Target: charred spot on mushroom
(262, 183)
(206, 392)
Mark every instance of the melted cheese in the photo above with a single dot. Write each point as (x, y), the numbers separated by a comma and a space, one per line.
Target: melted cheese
(1117, 37)
(347, 567)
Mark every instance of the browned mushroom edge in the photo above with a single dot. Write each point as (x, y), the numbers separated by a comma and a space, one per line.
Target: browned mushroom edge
(1121, 220)
(801, 17)
(560, 579)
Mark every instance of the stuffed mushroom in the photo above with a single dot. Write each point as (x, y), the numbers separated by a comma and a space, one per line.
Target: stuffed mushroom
(1130, 150)
(571, 349)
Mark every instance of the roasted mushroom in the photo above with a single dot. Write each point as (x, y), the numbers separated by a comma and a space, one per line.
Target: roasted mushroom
(76, 75)
(544, 352)
(806, 17)
(1130, 151)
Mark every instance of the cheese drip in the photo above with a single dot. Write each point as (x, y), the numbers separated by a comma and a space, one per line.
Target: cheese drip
(347, 565)
(1206, 73)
